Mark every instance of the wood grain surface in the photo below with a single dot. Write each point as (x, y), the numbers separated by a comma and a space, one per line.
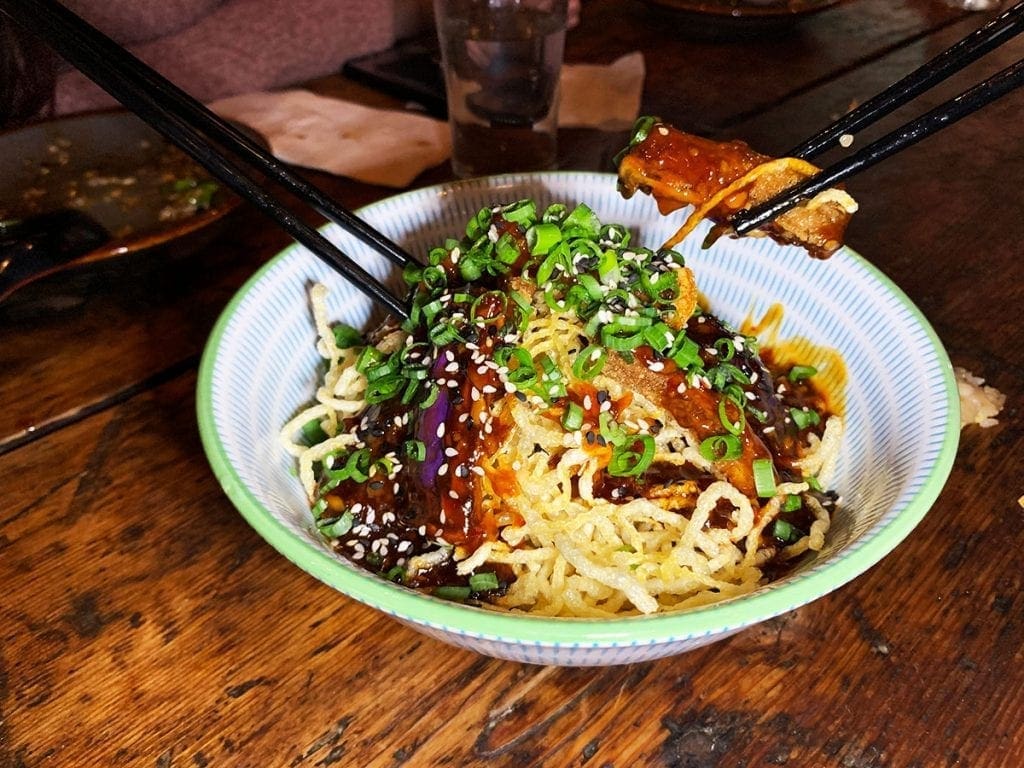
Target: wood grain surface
(143, 623)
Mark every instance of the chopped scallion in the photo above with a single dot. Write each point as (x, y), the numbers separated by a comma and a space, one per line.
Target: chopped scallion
(721, 448)
(482, 582)
(457, 594)
(804, 419)
(800, 372)
(572, 418)
(764, 477)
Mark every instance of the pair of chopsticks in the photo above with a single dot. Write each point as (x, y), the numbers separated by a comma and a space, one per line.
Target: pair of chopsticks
(198, 131)
(993, 34)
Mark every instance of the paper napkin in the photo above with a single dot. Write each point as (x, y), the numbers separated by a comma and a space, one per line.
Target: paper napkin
(392, 147)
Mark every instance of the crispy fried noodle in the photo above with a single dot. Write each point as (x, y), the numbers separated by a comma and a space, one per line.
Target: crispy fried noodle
(559, 429)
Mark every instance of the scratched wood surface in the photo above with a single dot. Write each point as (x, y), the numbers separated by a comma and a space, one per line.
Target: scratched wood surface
(142, 623)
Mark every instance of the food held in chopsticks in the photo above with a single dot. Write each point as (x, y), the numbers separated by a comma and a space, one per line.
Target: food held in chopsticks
(560, 428)
(721, 178)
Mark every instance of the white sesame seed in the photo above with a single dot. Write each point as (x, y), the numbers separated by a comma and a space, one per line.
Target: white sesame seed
(489, 389)
(442, 470)
(450, 452)
(422, 530)
(478, 471)
(451, 368)
(440, 430)
(453, 495)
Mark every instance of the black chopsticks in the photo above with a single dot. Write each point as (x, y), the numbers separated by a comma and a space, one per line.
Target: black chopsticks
(993, 34)
(198, 131)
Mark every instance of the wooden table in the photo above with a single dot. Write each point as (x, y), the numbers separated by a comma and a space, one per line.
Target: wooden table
(144, 624)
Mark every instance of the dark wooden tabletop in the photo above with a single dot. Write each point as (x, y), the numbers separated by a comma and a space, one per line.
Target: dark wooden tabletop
(145, 624)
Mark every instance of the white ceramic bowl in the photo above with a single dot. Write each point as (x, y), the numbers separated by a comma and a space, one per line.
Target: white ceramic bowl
(902, 417)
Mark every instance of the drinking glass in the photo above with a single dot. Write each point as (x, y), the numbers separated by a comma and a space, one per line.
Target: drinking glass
(502, 60)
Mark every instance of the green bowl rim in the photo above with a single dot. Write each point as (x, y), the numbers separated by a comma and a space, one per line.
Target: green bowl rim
(470, 621)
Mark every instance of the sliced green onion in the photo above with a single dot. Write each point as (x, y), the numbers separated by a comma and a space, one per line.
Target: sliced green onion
(546, 269)
(506, 249)
(369, 357)
(396, 574)
(764, 477)
(482, 582)
(572, 419)
(384, 388)
(685, 352)
(458, 594)
(471, 267)
(334, 527)
(589, 362)
(474, 315)
(434, 277)
(357, 465)
(592, 287)
(799, 372)
(726, 349)
(541, 238)
(582, 222)
(415, 449)
(313, 433)
(609, 430)
(813, 483)
(721, 448)
(346, 337)
(522, 212)
(792, 503)
(442, 333)
(631, 462)
(479, 224)
(660, 337)
(432, 392)
(608, 267)
(804, 419)
(732, 427)
(555, 213)
(784, 531)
